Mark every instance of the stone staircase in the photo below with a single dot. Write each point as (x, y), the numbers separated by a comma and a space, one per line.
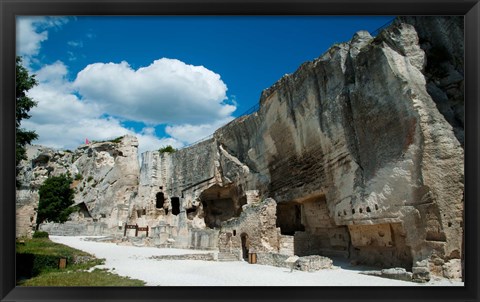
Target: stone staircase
(226, 256)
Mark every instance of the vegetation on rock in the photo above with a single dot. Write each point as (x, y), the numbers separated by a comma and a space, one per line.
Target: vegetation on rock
(167, 149)
(115, 140)
(56, 198)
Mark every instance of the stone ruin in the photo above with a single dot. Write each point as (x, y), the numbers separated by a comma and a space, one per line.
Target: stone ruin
(358, 154)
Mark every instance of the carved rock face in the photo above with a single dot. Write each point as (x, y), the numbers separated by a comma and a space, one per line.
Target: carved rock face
(359, 150)
(360, 126)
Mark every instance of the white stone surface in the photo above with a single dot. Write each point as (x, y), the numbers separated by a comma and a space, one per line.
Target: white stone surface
(134, 262)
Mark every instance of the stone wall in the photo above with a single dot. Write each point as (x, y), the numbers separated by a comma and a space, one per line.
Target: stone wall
(203, 239)
(256, 224)
(273, 259)
(71, 228)
(380, 244)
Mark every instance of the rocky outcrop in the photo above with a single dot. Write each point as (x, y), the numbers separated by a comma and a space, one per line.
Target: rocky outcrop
(40, 164)
(356, 154)
(440, 39)
(109, 178)
(105, 178)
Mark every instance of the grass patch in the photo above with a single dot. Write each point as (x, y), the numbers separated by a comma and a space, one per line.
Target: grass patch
(38, 260)
(44, 246)
(97, 277)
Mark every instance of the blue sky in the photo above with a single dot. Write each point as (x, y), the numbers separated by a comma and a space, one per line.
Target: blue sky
(167, 80)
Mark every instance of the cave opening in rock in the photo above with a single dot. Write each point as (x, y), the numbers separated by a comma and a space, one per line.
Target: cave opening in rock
(321, 235)
(83, 210)
(191, 212)
(314, 230)
(220, 204)
(160, 200)
(289, 218)
(175, 205)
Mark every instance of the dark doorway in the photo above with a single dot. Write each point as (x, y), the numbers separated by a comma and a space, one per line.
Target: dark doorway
(175, 205)
(84, 210)
(289, 218)
(245, 245)
(160, 200)
(220, 204)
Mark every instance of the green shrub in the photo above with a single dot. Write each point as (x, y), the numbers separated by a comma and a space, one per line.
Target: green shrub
(167, 149)
(117, 140)
(40, 234)
(78, 176)
(30, 265)
(90, 178)
(42, 263)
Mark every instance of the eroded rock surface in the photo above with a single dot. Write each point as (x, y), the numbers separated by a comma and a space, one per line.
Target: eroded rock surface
(105, 177)
(357, 154)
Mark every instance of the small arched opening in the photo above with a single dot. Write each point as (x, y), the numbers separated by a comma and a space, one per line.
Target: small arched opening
(245, 246)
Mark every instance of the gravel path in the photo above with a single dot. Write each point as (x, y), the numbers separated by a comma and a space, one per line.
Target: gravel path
(134, 262)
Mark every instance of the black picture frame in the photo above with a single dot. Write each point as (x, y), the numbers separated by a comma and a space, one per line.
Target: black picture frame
(10, 8)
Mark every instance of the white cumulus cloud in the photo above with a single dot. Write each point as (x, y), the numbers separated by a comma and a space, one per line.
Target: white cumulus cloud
(62, 120)
(166, 92)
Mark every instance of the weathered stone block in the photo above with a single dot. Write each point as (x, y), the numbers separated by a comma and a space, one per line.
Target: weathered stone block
(313, 263)
(453, 269)
(420, 274)
(397, 274)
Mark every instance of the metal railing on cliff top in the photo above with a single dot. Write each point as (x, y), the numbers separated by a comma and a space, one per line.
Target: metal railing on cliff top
(255, 107)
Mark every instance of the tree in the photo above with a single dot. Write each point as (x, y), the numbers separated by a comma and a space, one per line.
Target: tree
(56, 198)
(24, 82)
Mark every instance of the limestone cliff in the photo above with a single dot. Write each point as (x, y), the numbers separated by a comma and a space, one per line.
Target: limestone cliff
(356, 154)
(355, 147)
